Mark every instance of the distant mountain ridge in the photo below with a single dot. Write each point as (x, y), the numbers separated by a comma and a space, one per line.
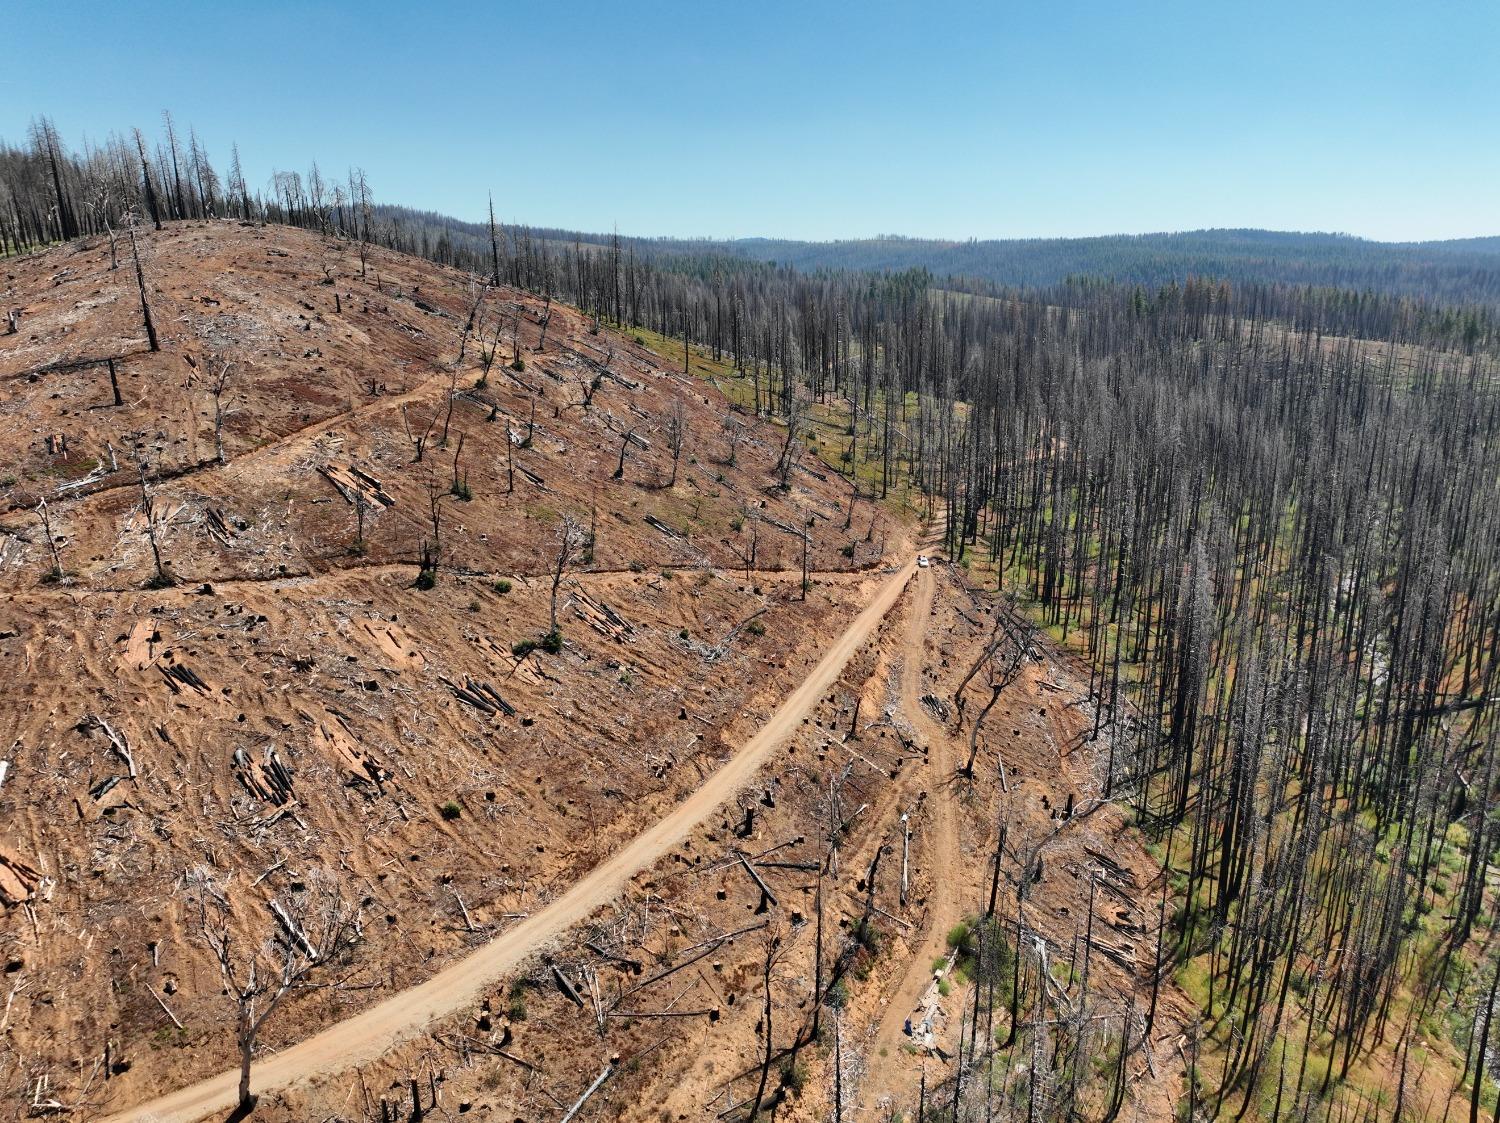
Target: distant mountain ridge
(1463, 271)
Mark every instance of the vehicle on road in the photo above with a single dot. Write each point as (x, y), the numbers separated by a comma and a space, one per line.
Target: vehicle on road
(922, 561)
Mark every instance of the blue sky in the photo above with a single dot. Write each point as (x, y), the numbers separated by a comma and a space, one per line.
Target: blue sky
(814, 120)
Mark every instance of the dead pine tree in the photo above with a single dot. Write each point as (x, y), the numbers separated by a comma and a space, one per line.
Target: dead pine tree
(569, 541)
(418, 442)
(309, 941)
(114, 382)
(162, 579)
(58, 573)
(772, 953)
(625, 440)
(216, 387)
(676, 433)
(140, 284)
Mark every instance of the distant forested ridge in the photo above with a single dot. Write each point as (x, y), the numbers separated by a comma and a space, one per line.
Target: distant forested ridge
(1466, 270)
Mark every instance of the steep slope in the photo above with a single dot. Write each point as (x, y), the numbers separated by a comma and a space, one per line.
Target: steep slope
(293, 709)
(296, 714)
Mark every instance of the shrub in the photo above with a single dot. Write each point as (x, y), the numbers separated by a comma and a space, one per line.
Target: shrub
(451, 810)
(461, 490)
(522, 648)
(552, 643)
(793, 1075)
(847, 551)
(519, 364)
(755, 628)
(502, 587)
(682, 634)
(426, 578)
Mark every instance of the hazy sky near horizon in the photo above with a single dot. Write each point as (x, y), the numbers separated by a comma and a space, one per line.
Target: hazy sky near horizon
(815, 120)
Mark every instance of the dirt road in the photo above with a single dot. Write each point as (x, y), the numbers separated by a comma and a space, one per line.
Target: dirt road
(370, 1034)
(887, 1072)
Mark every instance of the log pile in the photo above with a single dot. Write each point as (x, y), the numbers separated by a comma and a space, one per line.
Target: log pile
(180, 677)
(266, 779)
(481, 695)
(218, 526)
(355, 485)
(599, 616)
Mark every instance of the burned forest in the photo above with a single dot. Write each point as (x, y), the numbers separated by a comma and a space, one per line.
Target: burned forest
(502, 655)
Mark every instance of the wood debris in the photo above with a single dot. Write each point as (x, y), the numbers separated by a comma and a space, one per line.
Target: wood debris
(394, 643)
(355, 485)
(332, 736)
(142, 645)
(656, 524)
(267, 779)
(479, 694)
(218, 527)
(599, 616)
(18, 879)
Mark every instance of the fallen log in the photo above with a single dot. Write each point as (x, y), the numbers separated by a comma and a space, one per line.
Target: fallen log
(592, 1088)
(764, 888)
(567, 987)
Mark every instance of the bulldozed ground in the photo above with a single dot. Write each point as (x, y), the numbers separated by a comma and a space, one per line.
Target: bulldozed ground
(292, 708)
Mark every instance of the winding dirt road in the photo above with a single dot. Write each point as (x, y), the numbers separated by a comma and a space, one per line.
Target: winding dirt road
(943, 856)
(367, 1036)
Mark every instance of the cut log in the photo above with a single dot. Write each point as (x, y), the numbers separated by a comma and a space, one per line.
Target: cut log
(764, 888)
(656, 524)
(592, 1088)
(567, 987)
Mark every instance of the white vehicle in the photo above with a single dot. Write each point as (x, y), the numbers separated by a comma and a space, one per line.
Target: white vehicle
(922, 562)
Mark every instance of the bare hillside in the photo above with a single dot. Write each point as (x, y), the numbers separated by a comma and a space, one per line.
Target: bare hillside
(382, 589)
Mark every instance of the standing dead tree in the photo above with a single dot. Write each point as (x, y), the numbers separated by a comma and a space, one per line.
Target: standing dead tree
(772, 948)
(733, 431)
(1005, 655)
(162, 578)
(569, 541)
(625, 439)
(541, 339)
(58, 573)
(140, 284)
(676, 433)
(310, 939)
(216, 387)
(478, 292)
(796, 413)
(418, 443)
